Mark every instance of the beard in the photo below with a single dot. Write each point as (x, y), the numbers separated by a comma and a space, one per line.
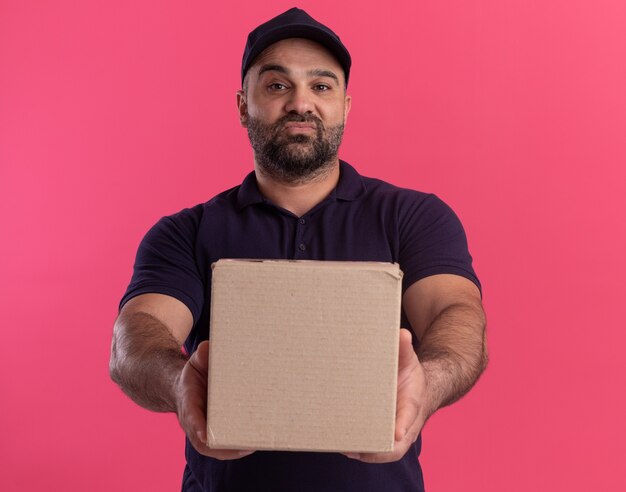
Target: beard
(294, 158)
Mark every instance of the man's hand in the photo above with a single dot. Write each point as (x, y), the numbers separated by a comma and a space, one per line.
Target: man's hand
(149, 366)
(412, 406)
(191, 405)
(446, 314)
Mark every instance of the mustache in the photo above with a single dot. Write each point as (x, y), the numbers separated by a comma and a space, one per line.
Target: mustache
(299, 118)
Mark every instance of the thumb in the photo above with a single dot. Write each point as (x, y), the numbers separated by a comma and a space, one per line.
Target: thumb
(406, 353)
(200, 358)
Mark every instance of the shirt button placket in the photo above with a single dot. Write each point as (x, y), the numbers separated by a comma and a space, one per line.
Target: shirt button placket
(300, 245)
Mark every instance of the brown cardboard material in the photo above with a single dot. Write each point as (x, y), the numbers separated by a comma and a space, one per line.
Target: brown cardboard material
(303, 355)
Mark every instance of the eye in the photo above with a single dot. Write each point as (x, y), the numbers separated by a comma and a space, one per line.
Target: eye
(277, 86)
(321, 87)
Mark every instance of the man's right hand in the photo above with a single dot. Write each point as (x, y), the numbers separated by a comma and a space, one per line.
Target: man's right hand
(148, 365)
(191, 405)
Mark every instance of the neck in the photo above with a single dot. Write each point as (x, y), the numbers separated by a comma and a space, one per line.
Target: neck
(298, 197)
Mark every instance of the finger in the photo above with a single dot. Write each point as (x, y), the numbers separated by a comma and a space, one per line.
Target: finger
(399, 450)
(194, 424)
(200, 358)
(220, 454)
(407, 405)
(195, 408)
(225, 454)
(194, 399)
(406, 415)
(407, 353)
(378, 457)
(197, 400)
(194, 414)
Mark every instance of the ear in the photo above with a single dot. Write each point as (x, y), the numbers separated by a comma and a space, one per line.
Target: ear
(347, 106)
(242, 106)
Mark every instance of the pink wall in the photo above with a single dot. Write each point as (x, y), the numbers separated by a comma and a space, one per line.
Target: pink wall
(113, 114)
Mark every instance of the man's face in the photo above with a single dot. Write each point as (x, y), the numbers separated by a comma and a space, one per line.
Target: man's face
(294, 106)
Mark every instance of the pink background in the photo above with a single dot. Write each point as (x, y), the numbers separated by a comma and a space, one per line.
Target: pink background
(113, 114)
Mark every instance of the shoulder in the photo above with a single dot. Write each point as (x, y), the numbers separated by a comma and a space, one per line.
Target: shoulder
(189, 218)
(406, 200)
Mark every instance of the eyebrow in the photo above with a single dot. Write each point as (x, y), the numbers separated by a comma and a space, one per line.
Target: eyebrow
(316, 72)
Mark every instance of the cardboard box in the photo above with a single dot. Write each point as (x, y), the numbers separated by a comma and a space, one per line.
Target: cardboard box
(303, 355)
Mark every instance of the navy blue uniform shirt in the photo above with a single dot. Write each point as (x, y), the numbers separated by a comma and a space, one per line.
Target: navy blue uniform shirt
(363, 219)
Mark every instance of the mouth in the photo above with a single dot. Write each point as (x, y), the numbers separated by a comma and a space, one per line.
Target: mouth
(298, 127)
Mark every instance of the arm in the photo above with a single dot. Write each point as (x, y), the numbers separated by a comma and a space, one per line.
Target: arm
(446, 314)
(146, 356)
(148, 364)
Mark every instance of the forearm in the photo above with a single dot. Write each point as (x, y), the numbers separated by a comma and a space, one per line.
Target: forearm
(453, 353)
(146, 361)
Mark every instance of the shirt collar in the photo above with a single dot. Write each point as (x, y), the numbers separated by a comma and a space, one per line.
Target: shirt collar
(249, 193)
(351, 185)
(349, 188)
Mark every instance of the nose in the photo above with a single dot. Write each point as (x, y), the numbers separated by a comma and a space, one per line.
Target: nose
(300, 100)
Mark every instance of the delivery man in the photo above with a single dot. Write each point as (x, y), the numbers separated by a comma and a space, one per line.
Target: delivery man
(300, 202)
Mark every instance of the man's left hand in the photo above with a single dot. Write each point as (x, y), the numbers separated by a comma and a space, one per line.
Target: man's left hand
(411, 406)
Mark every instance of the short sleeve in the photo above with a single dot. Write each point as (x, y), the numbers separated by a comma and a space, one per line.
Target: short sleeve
(166, 264)
(432, 241)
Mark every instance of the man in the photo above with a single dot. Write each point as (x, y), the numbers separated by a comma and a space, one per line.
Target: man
(301, 202)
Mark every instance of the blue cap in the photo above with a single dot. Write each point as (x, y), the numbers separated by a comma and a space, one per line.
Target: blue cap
(295, 23)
